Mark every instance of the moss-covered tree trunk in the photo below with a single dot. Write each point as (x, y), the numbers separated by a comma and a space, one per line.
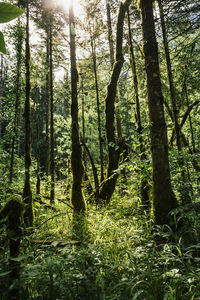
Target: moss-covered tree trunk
(77, 197)
(184, 193)
(13, 212)
(113, 150)
(144, 188)
(163, 197)
(27, 193)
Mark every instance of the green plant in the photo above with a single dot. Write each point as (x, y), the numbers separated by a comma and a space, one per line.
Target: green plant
(8, 12)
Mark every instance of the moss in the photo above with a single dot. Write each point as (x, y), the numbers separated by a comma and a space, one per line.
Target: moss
(13, 213)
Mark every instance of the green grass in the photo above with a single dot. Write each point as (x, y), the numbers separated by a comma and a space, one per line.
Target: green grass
(117, 258)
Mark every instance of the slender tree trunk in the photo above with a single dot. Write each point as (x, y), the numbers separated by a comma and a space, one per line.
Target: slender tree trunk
(110, 33)
(144, 181)
(113, 153)
(47, 163)
(83, 117)
(52, 162)
(184, 194)
(77, 197)
(163, 197)
(37, 142)
(86, 178)
(17, 95)
(112, 55)
(190, 119)
(27, 193)
(194, 151)
(94, 169)
(98, 103)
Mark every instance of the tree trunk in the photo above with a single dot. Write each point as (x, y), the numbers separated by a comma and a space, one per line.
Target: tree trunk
(184, 193)
(52, 162)
(144, 186)
(27, 193)
(86, 178)
(98, 103)
(37, 141)
(163, 197)
(112, 55)
(77, 197)
(47, 162)
(113, 149)
(19, 34)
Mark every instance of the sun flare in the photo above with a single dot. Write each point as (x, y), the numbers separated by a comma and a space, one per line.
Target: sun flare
(66, 3)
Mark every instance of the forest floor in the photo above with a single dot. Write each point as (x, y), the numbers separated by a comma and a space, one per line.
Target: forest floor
(114, 255)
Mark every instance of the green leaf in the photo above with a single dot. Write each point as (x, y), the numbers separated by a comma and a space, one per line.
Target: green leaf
(19, 258)
(9, 12)
(4, 273)
(2, 44)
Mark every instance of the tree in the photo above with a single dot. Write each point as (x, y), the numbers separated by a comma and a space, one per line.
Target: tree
(19, 41)
(52, 162)
(113, 149)
(163, 197)
(144, 179)
(77, 197)
(185, 194)
(27, 193)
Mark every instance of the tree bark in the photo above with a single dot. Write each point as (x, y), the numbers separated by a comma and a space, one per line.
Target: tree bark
(17, 95)
(47, 99)
(77, 198)
(113, 149)
(52, 162)
(144, 186)
(98, 104)
(184, 194)
(112, 55)
(27, 193)
(163, 197)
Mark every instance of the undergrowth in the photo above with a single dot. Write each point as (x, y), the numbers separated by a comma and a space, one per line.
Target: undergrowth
(117, 257)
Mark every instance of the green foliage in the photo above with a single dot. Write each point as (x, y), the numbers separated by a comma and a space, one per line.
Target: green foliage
(8, 12)
(118, 259)
(2, 43)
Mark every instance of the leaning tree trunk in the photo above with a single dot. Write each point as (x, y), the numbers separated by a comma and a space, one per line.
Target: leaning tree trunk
(113, 151)
(144, 185)
(27, 193)
(185, 197)
(77, 197)
(163, 197)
